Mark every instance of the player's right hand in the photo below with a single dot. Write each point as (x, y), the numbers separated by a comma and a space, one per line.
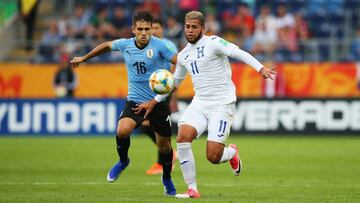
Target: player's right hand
(147, 106)
(75, 62)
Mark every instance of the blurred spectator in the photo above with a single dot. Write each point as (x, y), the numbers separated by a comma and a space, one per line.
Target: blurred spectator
(287, 35)
(225, 8)
(355, 47)
(173, 30)
(265, 35)
(301, 27)
(287, 45)
(49, 43)
(67, 34)
(213, 26)
(266, 17)
(28, 10)
(101, 21)
(187, 5)
(301, 31)
(121, 22)
(79, 21)
(209, 6)
(151, 5)
(122, 3)
(243, 20)
(64, 27)
(250, 4)
(100, 4)
(284, 19)
(239, 25)
(247, 41)
(171, 9)
(65, 80)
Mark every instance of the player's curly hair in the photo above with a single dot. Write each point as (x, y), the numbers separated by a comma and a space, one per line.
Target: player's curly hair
(142, 16)
(197, 15)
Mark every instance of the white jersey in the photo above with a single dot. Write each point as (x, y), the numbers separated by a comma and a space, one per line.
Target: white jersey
(208, 64)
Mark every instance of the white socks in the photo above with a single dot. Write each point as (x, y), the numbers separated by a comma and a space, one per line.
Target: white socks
(228, 154)
(187, 164)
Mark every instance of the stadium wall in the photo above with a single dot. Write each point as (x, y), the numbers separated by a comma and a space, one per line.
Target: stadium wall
(304, 80)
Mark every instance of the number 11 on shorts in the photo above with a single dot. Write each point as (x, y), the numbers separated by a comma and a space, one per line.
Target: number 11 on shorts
(222, 128)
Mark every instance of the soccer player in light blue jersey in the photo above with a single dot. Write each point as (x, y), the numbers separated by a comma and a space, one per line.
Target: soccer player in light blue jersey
(143, 55)
(157, 31)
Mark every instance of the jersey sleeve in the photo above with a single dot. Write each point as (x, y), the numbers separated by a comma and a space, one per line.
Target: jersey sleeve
(247, 58)
(180, 72)
(166, 51)
(117, 45)
(171, 46)
(221, 46)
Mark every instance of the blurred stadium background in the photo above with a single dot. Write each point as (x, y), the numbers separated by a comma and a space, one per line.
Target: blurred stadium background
(313, 103)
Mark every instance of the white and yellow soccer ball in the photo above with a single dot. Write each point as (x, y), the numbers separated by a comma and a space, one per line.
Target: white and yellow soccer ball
(161, 81)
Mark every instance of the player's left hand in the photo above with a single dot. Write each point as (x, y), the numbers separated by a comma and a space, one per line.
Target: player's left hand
(147, 106)
(268, 72)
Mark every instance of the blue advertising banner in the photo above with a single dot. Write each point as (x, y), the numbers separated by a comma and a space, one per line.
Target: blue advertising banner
(99, 116)
(59, 116)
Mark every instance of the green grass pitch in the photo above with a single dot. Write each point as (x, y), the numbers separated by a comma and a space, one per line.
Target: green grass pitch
(276, 169)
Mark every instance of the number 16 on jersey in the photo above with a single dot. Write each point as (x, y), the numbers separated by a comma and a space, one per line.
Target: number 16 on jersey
(140, 67)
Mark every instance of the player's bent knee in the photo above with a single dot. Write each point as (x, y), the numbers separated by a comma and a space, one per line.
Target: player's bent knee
(184, 138)
(186, 134)
(123, 132)
(180, 139)
(213, 158)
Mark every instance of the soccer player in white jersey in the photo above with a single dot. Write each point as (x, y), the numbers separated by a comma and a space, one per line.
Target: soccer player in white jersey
(205, 58)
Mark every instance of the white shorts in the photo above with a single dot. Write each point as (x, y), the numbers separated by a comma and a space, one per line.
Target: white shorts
(217, 119)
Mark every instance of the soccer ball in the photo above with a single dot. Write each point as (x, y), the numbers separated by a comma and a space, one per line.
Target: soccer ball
(161, 81)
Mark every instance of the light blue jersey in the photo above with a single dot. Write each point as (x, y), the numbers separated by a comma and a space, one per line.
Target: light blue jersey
(140, 63)
(172, 47)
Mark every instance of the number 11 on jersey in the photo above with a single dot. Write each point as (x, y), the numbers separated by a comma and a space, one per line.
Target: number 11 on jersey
(194, 67)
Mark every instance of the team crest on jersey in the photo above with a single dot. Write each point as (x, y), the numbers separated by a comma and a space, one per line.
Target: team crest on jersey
(149, 53)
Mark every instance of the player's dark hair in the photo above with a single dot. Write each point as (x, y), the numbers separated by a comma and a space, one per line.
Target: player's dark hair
(142, 16)
(159, 21)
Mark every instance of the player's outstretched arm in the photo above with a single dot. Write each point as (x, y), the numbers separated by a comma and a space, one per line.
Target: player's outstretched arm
(252, 61)
(100, 49)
